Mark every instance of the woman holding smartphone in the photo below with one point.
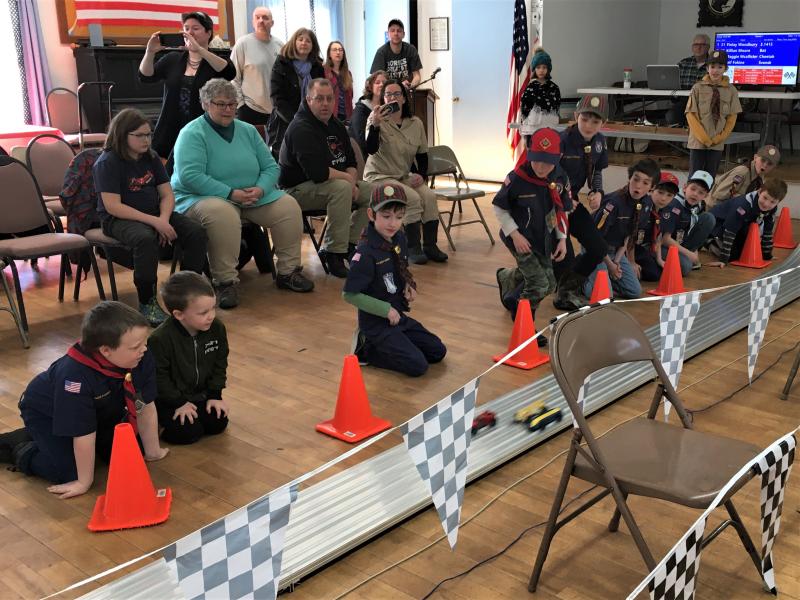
(183, 74)
(398, 154)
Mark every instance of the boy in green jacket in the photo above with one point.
(191, 352)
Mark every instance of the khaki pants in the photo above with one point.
(336, 197)
(222, 221)
(422, 204)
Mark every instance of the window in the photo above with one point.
(290, 15)
(13, 113)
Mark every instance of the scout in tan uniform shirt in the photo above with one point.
(711, 114)
(744, 178)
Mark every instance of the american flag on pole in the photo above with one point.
(519, 77)
(157, 14)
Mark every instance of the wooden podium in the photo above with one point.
(425, 108)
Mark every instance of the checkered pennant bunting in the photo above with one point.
(238, 556)
(677, 315)
(674, 578)
(762, 296)
(774, 467)
(582, 393)
(438, 443)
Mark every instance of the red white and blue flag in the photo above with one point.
(520, 76)
(73, 387)
(158, 14)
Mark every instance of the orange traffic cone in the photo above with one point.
(130, 499)
(601, 289)
(751, 253)
(671, 281)
(529, 357)
(784, 238)
(353, 420)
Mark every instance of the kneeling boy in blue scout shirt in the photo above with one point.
(733, 220)
(684, 223)
(532, 206)
(380, 285)
(618, 220)
(647, 252)
(71, 409)
(191, 352)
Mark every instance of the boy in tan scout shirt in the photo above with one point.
(711, 113)
(744, 179)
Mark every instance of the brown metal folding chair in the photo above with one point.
(643, 457)
(48, 157)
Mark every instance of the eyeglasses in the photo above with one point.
(322, 98)
(701, 44)
(393, 94)
(142, 136)
(225, 105)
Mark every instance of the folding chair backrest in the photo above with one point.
(21, 201)
(359, 158)
(78, 196)
(62, 110)
(587, 341)
(48, 157)
(442, 161)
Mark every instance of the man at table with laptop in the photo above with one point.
(688, 71)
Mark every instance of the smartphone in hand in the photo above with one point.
(171, 40)
(391, 107)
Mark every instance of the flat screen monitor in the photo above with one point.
(761, 58)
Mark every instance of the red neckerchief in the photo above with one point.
(561, 216)
(99, 363)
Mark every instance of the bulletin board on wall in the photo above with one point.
(127, 22)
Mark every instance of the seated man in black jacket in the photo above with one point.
(318, 168)
(191, 355)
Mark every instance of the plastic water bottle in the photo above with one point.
(627, 76)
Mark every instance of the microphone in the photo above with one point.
(438, 70)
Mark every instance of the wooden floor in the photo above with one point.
(286, 358)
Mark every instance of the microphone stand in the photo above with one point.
(431, 78)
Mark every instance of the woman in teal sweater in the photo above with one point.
(224, 174)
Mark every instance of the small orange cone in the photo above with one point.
(353, 420)
(601, 289)
(784, 238)
(671, 281)
(751, 253)
(130, 499)
(529, 357)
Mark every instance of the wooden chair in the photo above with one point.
(442, 160)
(23, 210)
(643, 457)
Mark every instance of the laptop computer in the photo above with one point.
(663, 77)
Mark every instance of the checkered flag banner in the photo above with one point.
(774, 468)
(438, 443)
(238, 556)
(677, 315)
(674, 578)
(582, 398)
(762, 296)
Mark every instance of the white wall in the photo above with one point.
(354, 43)
(59, 56)
(592, 41)
(443, 84)
(678, 24)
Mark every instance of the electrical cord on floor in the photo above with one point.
(504, 550)
(551, 461)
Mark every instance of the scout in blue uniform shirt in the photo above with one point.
(618, 220)
(532, 207)
(684, 223)
(647, 252)
(584, 156)
(733, 218)
(71, 409)
(380, 285)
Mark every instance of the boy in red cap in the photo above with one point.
(532, 207)
(647, 252)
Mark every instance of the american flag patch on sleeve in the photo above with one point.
(356, 257)
(741, 211)
(72, 386)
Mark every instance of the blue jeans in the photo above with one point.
(696, 237)
(627, 286)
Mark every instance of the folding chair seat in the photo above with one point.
(23, 210)
(643, 457)
(442, 161)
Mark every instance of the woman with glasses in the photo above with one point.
(398, 154)
(224, 174)
(338, 73)
(298, 63)
(136, 207)
(183, 74)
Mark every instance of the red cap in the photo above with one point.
(545, 146)
(668, 179)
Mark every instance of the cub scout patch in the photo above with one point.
(640, 237)
(388, 281)
(741, 211)
(676, 210)
(356, 257)
(679, 236)
(738, 179)
(507, 180)
(598, 146)
(608, 207)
